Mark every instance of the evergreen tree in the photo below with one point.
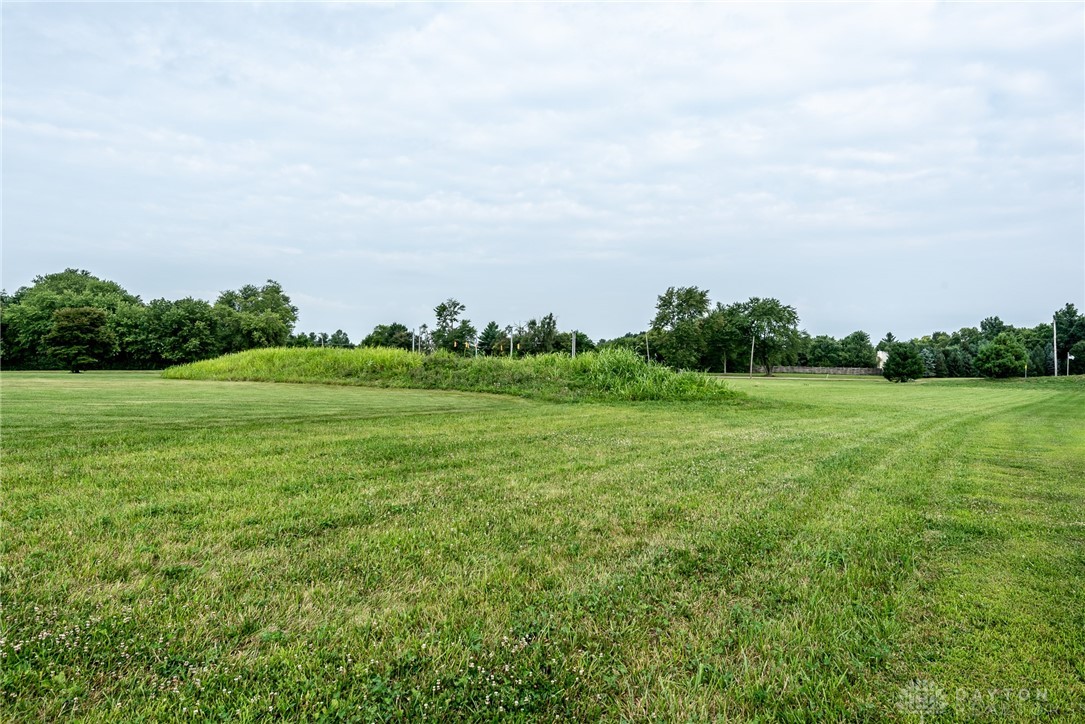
(958, 362)
(1077, 358)
(1039, 358)
(489, 339)
(1004, 356)
(904, 363)
(929, 364)
(941, 369)
(1071, 330)
(887, 341)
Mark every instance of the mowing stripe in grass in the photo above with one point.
(800, 556)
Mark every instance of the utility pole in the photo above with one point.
(753, 336)
(1055, 343)
(574, 344)
(647, 352)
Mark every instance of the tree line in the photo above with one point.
(453, 332)
(690, 332)
(73, 320)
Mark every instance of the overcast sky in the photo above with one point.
(883, 167)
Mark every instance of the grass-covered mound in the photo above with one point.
(608, 375)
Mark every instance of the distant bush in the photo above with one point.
(613, 374)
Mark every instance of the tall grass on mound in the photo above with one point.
(373, 365)
(608, 375)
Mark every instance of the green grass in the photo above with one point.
(616, 374)
(316, 552)
(793, 376)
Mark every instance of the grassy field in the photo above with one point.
(815, 550)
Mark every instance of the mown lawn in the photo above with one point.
(817, 551)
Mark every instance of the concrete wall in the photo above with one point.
(828, 370)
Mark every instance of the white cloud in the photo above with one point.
(640, 142)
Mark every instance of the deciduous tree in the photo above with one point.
(389, 335)
(991, 327)
(268, 299)
(564, 342)
(856, 351)
(680, 312)
(448, 317)
(772, 329)
(725, 334)
(538, 336)
(823, 351)
(79, 337)
(340, 338)
(27, 315)
(254, 317)
(678, 305)
(175, 332)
